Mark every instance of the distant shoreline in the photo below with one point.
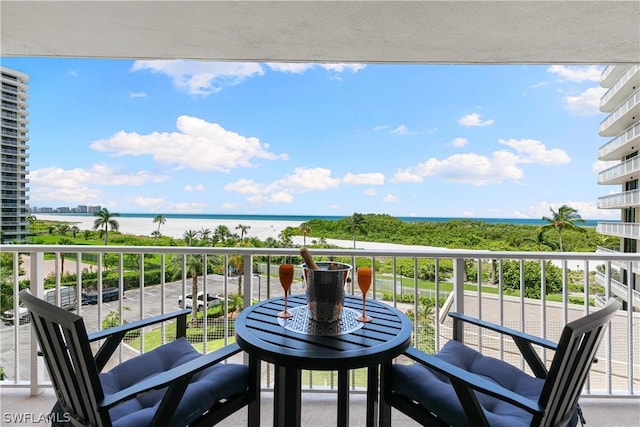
(298, 219)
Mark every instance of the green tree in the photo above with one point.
(565, 218)
(75, 230)
(105, 221)
(243, 230)
(356, 222)
(194, 265)
(532, 278)
(63, 229)
(304, 228)
(221, 233)
(160, 219)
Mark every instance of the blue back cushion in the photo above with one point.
(207, 387)
(434, 392)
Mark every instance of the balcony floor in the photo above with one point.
(319, 409)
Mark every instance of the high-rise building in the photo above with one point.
(15, 210)
(622, 126)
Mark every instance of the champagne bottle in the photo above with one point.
(306, 256)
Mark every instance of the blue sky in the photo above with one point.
(507, 141)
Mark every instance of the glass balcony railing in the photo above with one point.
(536, 292)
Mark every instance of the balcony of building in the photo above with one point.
(622, 200)
(620, 173)
(473, 282)
(619, 229)
(611, 74)
(622, 145)
(623, 117)
(623, 88)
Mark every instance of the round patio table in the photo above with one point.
(300, 343)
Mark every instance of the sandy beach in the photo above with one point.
(262, 229)
(175, 227)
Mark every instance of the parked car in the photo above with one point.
(108, 294)
(67, 301)
(212, 301)
(8, 316)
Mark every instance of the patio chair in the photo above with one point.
(459, 386)
(171, 385)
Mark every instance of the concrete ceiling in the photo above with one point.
(455, 31)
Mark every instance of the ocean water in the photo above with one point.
(304, 218)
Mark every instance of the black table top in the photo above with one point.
(258, 332)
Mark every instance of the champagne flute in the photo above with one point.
(285, 273)
(364, 281)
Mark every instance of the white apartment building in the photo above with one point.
(14, 153)
(621, 102)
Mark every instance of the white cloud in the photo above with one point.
(577, 74)
(473, 119)
(400, 130)
(586, 103)
(245, 186)
(379, 128)
(459, 142)
(471, 168)
(600, 165)
(302, 180)
(230, 206)
(587, 210)
(301, 67)
(83, 185)
(478, 169)
(149, 202)
(406, 175)
(290, 67)
(370, 192)
(197, 145)
(201, 78)
(339, 68)
(137, 95)
(197, 187)
(390, 198)
(375, 178)
(532, 151)
(187, 207)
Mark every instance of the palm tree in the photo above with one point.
(356, 222)
(304, 228)
(221, 233)
(160, 219)
(75, 230)
(104, 221)
(194, 266)
(243, 230)
(565, 218)
(63, 229)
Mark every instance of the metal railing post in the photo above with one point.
(458, 295)
(36, 279)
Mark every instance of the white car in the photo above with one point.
(23, 314)
(212, 301)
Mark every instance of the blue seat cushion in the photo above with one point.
(205, 389)
(435, 393)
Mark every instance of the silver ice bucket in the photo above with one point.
(325, 290)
